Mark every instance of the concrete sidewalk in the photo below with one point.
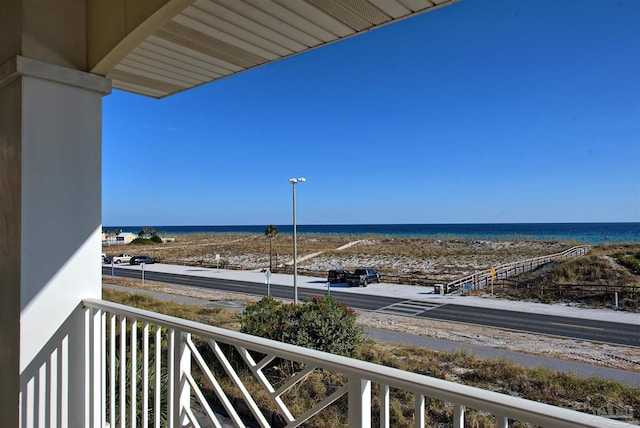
(409, 292)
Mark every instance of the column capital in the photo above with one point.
(22, 66)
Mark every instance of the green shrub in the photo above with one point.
(320, 323)
(141, 241)
(155, 239)
(630, 262)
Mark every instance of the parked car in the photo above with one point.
(363, 276)
(337, 275)
(136, 260)
(120, 258)
(103, 257)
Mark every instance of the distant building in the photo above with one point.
(123, 238)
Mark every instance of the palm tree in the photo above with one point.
(107, 235)
(271, 231)
(143, 232)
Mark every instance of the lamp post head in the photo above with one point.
(297, 180)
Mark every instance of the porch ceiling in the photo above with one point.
(212, 39)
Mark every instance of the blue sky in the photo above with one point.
(486, 111)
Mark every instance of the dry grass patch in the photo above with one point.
(438, 260)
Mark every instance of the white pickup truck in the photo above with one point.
(120, 258)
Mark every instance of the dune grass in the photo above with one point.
(391, 256)
(590, 281)
(218, 317)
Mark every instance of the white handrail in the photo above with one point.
(461, 396)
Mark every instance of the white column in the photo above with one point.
(50, 225)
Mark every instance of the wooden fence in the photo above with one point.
(485, 278)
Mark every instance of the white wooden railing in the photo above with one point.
(483, 278)
(125, 392)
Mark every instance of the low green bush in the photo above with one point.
(630, 262)
(321, 323)
(142, 241)
(154, 239)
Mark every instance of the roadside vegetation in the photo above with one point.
(318, 318)
(320, 323)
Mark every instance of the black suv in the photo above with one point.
(363, 277)
(337, 275)
(136, 260)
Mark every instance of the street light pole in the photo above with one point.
(293, 182)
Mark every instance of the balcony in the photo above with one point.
(249, 378)
(69, 360)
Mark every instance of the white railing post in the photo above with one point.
(123, 372)
(173, 377)
(112, 369)
(179, 390)
(184, 363)
(359, 402)
(502, 421)
(157, 360)
(103, 370)
(133, 382)
(419, 414)
(145, 375)
(384, 406)
(95, 362)
(458, 416)
(88, 356)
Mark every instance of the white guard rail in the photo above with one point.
(124, 392)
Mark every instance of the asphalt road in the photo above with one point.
(592, 330)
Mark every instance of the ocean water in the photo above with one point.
(583, 233)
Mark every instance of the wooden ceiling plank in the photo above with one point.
(251, 30)
(144, 81)
(209, 46)
(291, 19)
(223, 33)
(158, 63)
(179, 60)
(285, 32)
(391, 7)
(416, 5)
(140, 71)
(322, 19)
(138, 89)
(216, 64)
(357, 14)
